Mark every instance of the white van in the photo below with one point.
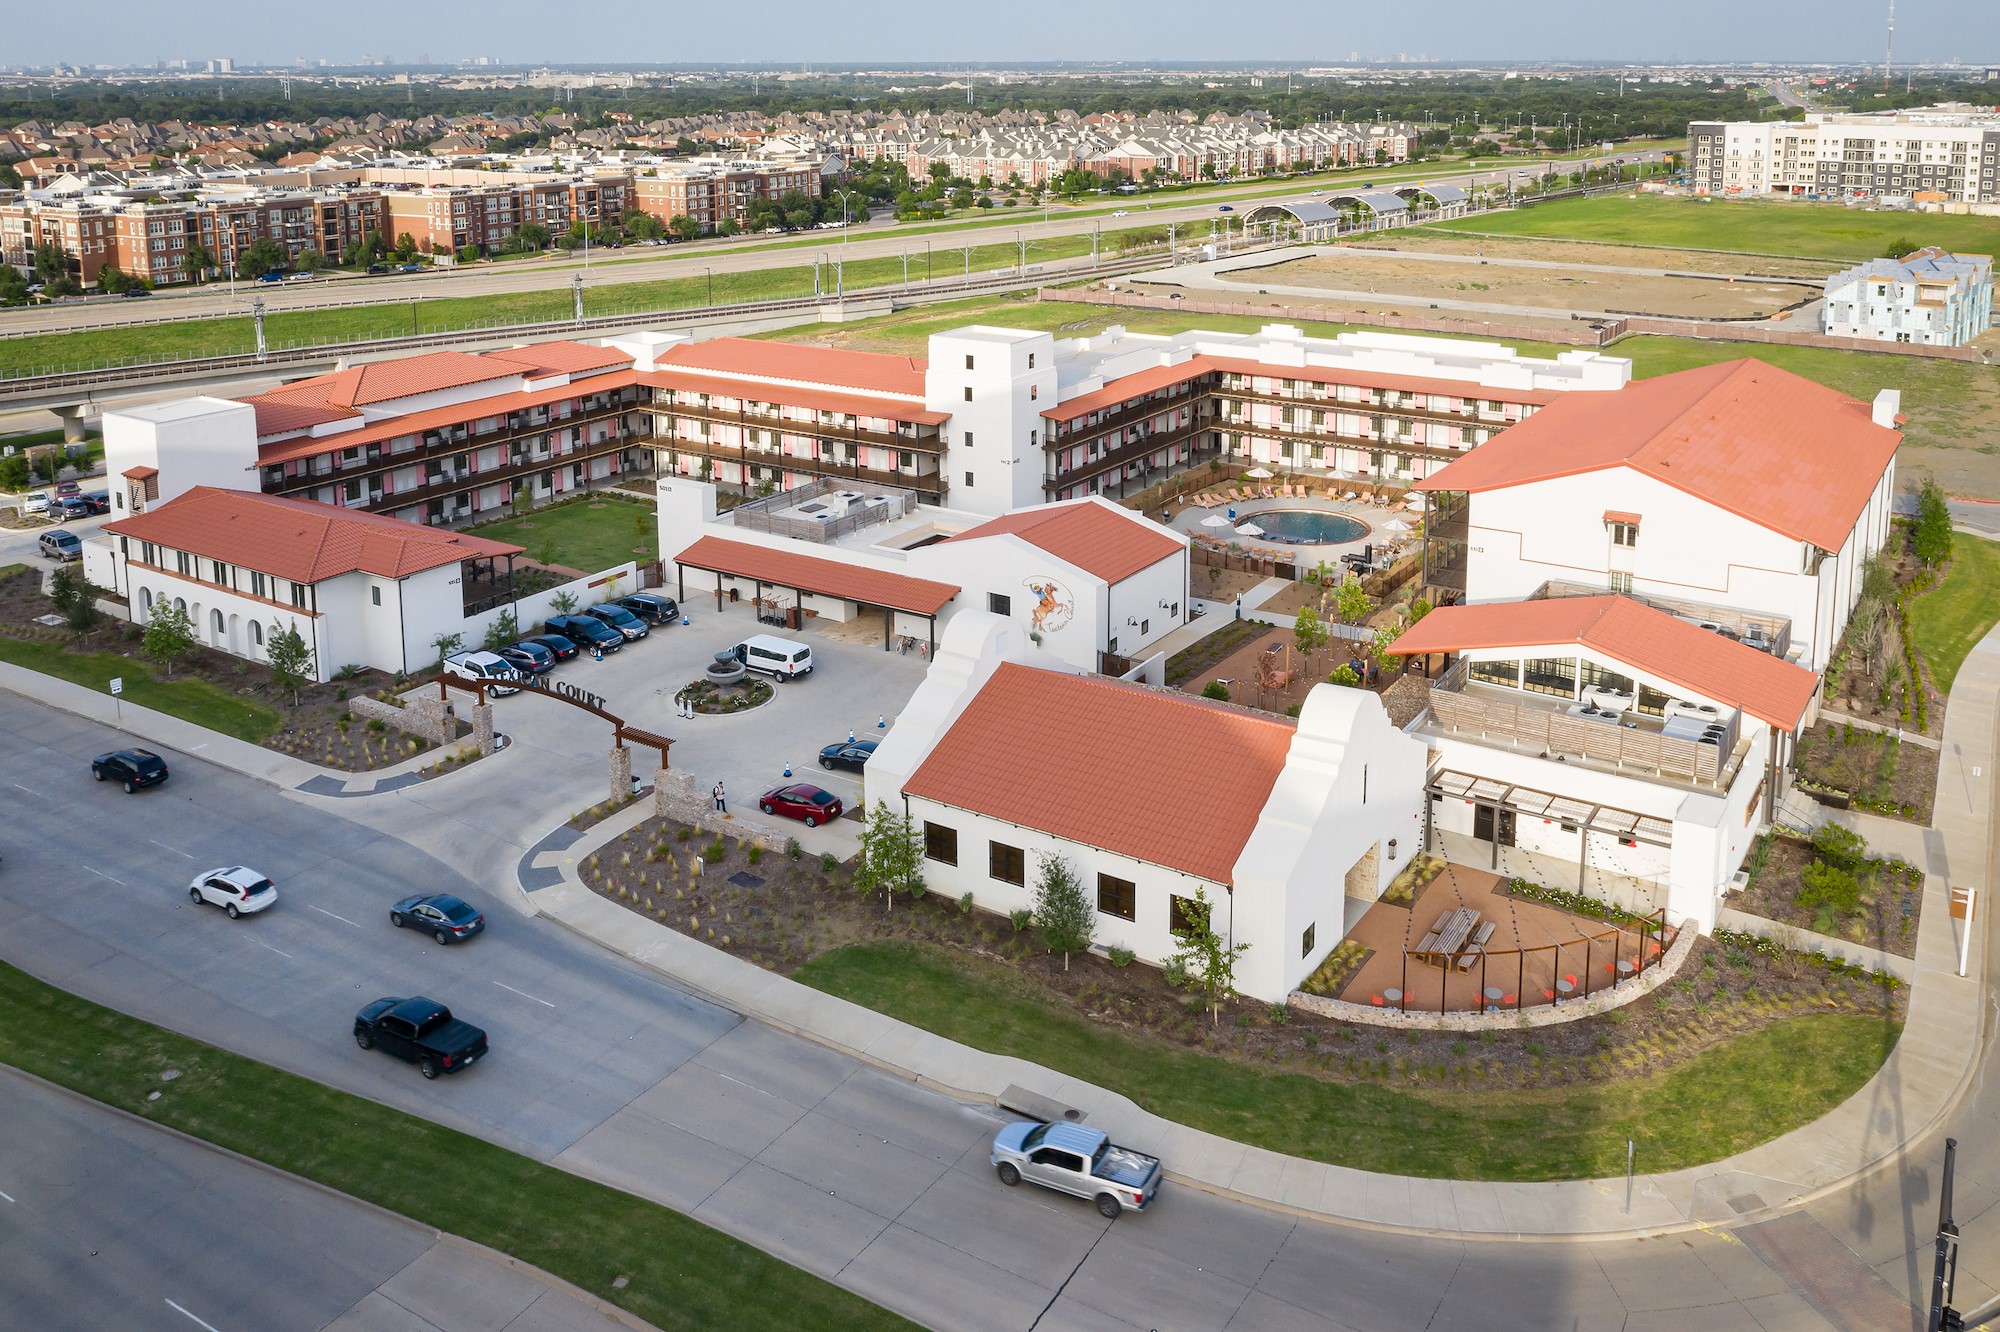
(780, 657)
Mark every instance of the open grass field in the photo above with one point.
(1731, 1097)
(1947, 622)
(585, 535)
(191, 700)
(679, 1273)
(1800, 230)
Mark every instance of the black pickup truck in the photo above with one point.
(422, 1031)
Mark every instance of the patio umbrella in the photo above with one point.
(1393, 525)
(1260, 474)
(1415, 501)
(1215, 520)
(1249, 529)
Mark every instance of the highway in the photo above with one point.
(646, 264)
(610, 1070)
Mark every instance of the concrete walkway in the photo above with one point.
(1920, 1081)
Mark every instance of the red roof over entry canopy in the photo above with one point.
(824, 577)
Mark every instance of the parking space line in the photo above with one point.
(185, 1314)
(29, 789)
(524, 994)
(324, 912)
(102, 875)
(279, 951)
(164, 847)
(8, 1196)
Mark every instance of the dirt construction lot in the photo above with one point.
(1587, 252)
(1519, 283)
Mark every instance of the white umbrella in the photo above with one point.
(1415, 501)
(1249, 529)
(1260, 474)
(1393, 525)
(1215, 520)
(1342, 474)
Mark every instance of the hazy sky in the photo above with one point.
(791, 31)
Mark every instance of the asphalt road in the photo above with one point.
(848, 1171)
(684, 261)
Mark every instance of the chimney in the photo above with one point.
(1888, 403)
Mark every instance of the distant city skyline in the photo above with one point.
(133, 32)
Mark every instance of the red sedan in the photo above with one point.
(808, 804)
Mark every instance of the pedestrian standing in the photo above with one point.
(721, 805)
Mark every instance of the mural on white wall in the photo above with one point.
(1054, 606)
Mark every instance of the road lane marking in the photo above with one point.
(29, 789)
(164, 847)
(102, 875)
(281, 953)
(8, 1196)
(185, 1314)
(324, 912)
(524, 994)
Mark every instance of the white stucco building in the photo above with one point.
(1931, 297)
(1737, 494)
(1006, 755)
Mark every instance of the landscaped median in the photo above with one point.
(677, 1273)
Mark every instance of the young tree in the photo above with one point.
(1204, 957)
(113, 280)
(534, 235)
(74, 599)
(310, 260)
(196, 262)
(261, 256)
(562, 603)
(523, 494)
(1064, 915)
(446, 644)
(1308, 634)
(14, 475)
(48, 464)
(1351, 602)
(684, 226)
(1933, 536)
(169, 635)
(290, 660)
(545, 551)
(50, 261)
(505, 629)
(892, 855)
(1344, 674)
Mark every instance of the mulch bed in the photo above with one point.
(1892, 900)
(779, 912)
(1859, 691)
(1879, 772)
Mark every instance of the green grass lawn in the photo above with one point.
(1793, 230)
(589, 536)
(1735, 1095)
(189, 699)
(681, 1273)
(1947, 622)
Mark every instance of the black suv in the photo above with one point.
(133, 767)
(615, 615)
(651, 607)
(586, 632)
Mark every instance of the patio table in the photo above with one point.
(1447, 938)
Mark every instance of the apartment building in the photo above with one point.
(1931, 297)
(435, 439)
(717, 190)
(1950, 154)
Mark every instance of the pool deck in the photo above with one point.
(1373, 519)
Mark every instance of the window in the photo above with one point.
(968, 393)
(258, 587)
(220, 571)
(968, 480)
(1625, 534)
(968, 365)
(940, 844)
(1034, 392)
(1306, 940)
(1006, 863)
(1031, 360)
(1621, 582)
(184, 562)
(1183, 914)
(999, 603)
(299, 595)
(968, 439)
(1117, 897)
(375, 595)
(1145, 627)
(257, 633)
(1550, 675)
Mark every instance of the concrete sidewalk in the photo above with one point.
(1919, 1082)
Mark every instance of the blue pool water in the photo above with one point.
(1309, 527)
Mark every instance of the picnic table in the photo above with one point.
(1448, 938)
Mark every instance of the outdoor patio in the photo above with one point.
(1226, 516)
(1424, 956)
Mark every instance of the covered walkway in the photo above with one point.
(802, 577)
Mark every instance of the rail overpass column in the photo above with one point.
(71, 415)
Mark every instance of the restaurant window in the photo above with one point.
(1184, 914)
(940, 843)
(1652, 702)
(1006, 863)
(1504, 673)
(1117, 897)
(1550, 675)
(1593, 674)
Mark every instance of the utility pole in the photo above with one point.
(257, 312)
(576, 287)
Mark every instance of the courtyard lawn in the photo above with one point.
(1736, 1094)
(1791, 230)
(678, 1273)
(586, 535)
(189, 699)
(1947, 622)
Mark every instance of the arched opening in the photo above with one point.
(180, 605)
(257, 636)
(146, 601)
(217, 634)
(236, 635)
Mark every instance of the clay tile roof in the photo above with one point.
(1090, 534)
(301, 540)
(1648, 640)
(1126, 387)
(1620, 516)
(278, 417)
(385, 381)
(1763, 443)
(1058, 753)
(811, 573)
(141, 473)
(561, 358)
(835, 367)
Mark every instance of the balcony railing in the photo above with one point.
(917, 441)
(377, 462)
(1130, 451)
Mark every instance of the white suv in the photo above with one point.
(237, 889)
(488, 668)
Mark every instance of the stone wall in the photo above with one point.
(425, 723)
(677, 796)
(1541, 1015)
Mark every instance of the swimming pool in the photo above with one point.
(1309, 527)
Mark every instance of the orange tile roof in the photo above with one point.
(385, 381)
(1620, 516)
(1763, 443)
(835, 367)
(301, 540)
(1135, 385)
(811, 573)
(1648, 640)
(813, 399)
(415, 423)
(1059, 753)
(275, 416)
(561, 357)
(141, 473)
(1092, 535)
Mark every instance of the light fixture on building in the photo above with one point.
(1165, 604)
(1392, 848)
(1132, 620)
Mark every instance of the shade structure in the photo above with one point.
(1249, 529)
(1260, 473)
(1393, 525)
(1415, 501)
(1215, 520)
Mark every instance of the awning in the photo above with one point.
(819, 576)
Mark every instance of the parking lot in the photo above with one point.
(851, 687)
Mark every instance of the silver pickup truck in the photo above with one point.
(1081, 1161)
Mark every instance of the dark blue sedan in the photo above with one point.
(444, 917)
(558, 647)
(852, 755)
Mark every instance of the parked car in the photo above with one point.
(558, 647)
(275, 275)
(529, 658)
(62, 546)
(411, 268)
(298, 277)
(98, 500)
(586, 632)
(487, 668)
(378, 268)
(421, 1031)
(64, 489)
(615, 615)
(70, 506)
(130, 292)
(132, 768)
(652, 607)
(34, 502)
(852, 755)
(1070, 1158)
(808, 804)
(237, 889)
(446, 917)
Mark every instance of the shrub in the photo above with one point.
(682, 833)
(965, 905)
(756, 854)
(1216, 690)
(1279, 1014)
(828, 862)
(1021, 919)
(1842, 848)
(1827, 885)
(792, 848)
(1121, 957)
(714, 851)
